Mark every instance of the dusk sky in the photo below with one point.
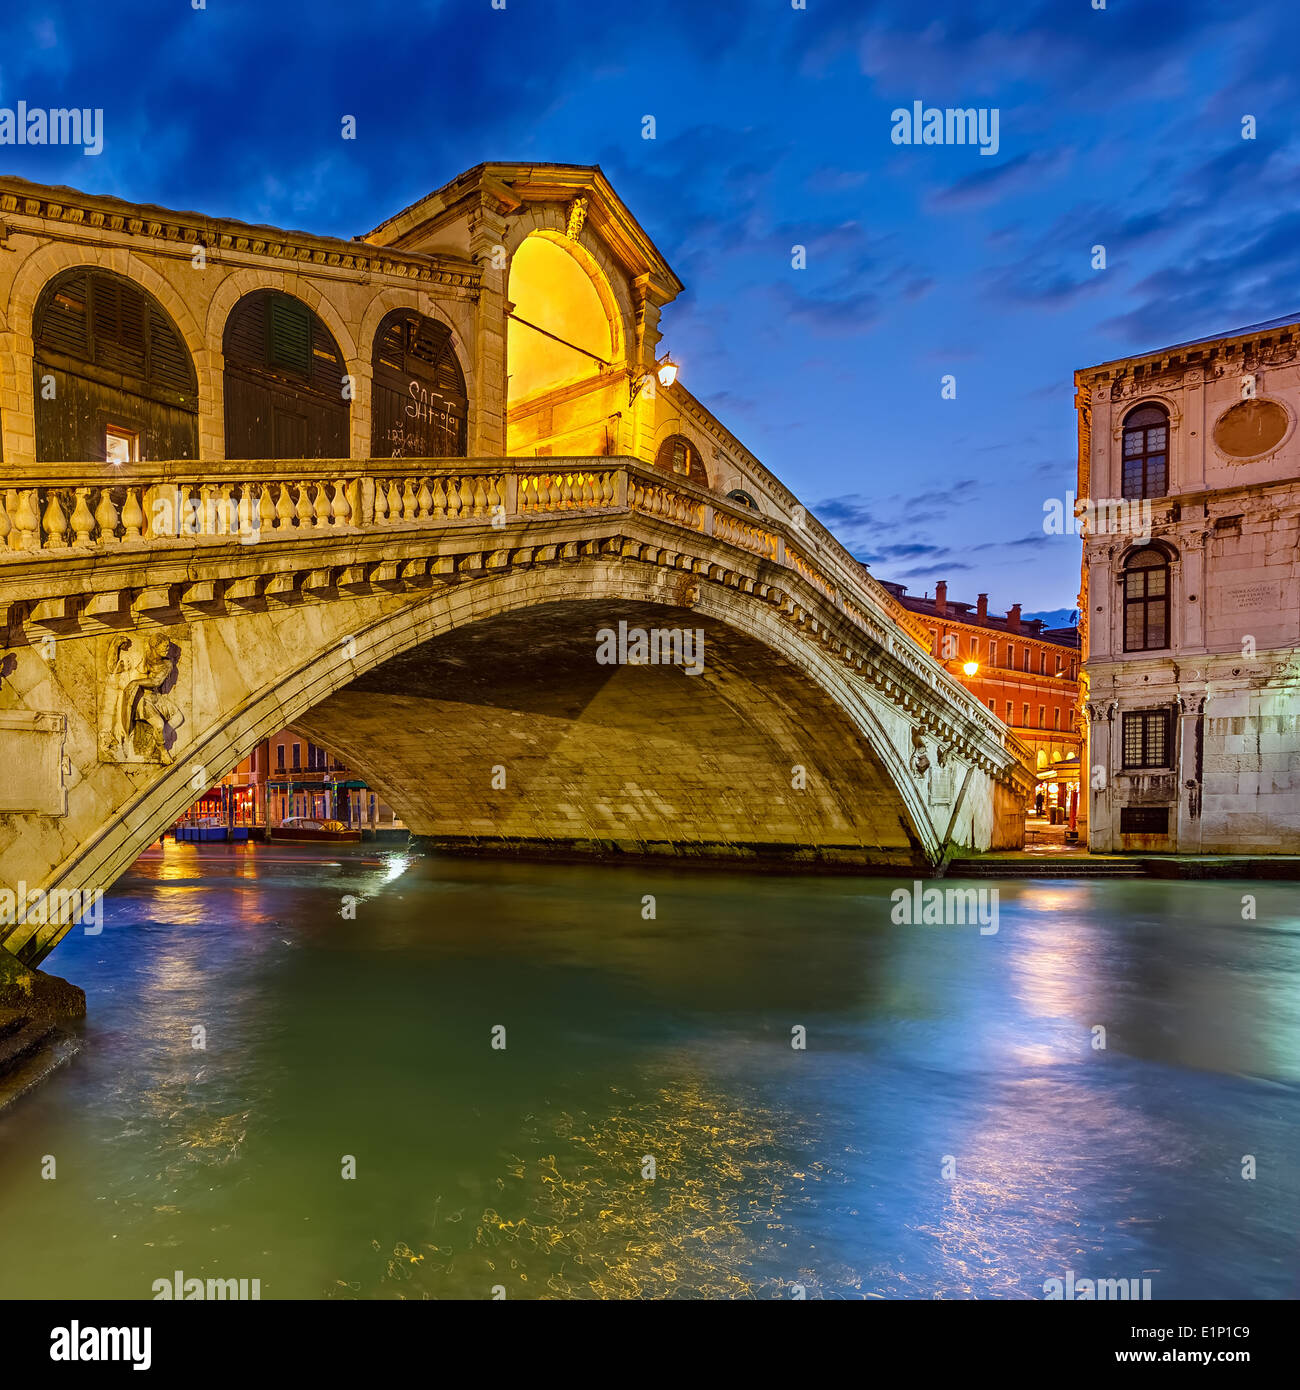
(1120, 127)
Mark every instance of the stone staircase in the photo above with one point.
(1046, 866)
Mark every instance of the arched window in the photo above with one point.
(743, 498)
(284, 382)
(419, 405)
(1146, 600)
(1146, 452)
(114, 380)
(678, 455)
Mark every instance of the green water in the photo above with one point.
(669, 1039)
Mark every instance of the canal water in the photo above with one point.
(951, 1128)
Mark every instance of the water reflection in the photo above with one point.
(951, 1129)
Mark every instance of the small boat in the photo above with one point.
(304, 829)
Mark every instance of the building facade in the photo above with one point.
(1025, 672)
(287, 777)
(1189, 480)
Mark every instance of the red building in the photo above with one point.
(1025, 672)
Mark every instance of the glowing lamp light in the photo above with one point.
(667, 372)
(971, 667)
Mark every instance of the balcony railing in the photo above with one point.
(68, 511)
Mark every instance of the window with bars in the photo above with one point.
(1146, 601)
(1146, 452)
(1144, 820)
(1145, 738)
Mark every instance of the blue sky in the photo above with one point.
(1120, 127)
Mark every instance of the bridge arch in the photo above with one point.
(865, 798)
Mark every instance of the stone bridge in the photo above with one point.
(437, 623)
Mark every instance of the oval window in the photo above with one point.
(1250, 428)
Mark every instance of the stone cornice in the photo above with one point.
(1281, 342)
(73, 212)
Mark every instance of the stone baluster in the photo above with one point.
(83, 519)
(321, 506)
(342, 508)
(27, 520)
(381, 503)
(439, 498)
(266, 520)
(480, 498)
(284, 508)
(305, 512)
(55, 522)
(132, 516)
(8, 501)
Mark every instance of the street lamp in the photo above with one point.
(971, 668)
(665, 369)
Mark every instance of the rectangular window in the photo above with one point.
(1024, 721)
(296, 755)
(975, 646)
(1056, 718)
(1042, 663)
(993, 707)
(1010, 707)
(279, 757)
(120, 445)
(1144, 820)
(1146, 604)
(1042, 717)
(1146, 738)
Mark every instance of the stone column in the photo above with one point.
(1101, 836)
(1187, 832)
(487, 247)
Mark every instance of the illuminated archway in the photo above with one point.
(565, 391)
